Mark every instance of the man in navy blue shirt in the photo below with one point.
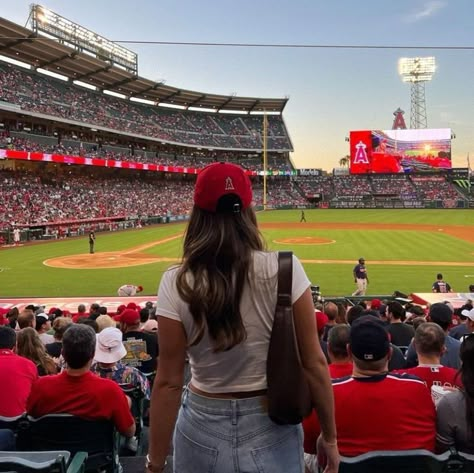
(360, 278)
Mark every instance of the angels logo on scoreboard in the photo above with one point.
(361, 154)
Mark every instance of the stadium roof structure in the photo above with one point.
(20, 43)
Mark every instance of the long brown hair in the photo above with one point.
(29, 345)
(217, 258)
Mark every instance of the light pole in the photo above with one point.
(417, 71)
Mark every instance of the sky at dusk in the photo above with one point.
(331, 91)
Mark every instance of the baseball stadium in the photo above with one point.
(98, 167)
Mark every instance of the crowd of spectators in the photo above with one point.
(38, 93)
(423, 399)
(351, 186)
(358, 346)
(194, 159)
(311, 185)
(398, 185)
(434, 188)
(30, 199)
(280, 192)
(37, 198)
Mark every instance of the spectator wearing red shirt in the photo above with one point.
(17, 374)
(376, 410)
(429, 345)
(77, 390)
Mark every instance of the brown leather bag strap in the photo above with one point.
(285, 278)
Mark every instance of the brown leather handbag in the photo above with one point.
(289, 397)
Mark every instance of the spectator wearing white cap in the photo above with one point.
(108, 353)
(43, 326)
(469, 314)
(465, 328)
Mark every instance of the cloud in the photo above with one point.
(427, 10)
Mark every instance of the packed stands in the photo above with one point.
(33, 92)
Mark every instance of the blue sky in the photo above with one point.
(331, 91)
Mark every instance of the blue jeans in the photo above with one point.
(233, 436)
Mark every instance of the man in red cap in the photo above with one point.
(142, 348)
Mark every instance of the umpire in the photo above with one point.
(91, 241)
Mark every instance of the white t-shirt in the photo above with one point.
(243, 368)
(46, 338)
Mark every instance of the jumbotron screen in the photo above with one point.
(400, 151)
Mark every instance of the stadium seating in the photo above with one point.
(37, 93)
(412, 461)
(42, 462)
(73, 434)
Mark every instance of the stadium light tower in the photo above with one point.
(417, 71)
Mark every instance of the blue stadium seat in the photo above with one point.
(42, 462)
(66, 432)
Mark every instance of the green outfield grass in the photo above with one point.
(22, 272)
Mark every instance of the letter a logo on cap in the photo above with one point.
(229, 185)
(361, 155)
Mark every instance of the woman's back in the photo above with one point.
(452, 425)
(243, 367)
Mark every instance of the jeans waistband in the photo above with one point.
(230, 407)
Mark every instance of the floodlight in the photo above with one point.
(46, 22)
(416, 69)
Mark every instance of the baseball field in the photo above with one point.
(404, 250)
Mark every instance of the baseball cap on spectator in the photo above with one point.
(441, 312)
(109, 347)
(132, 305)
(150, 325)
(468, 313)
(369, 341)
(130, 317)
(450, 306)
(375, 304)
(218, 180)
(53, 309)
(42, 315)
(321, 321)
(121, 308)
(3, 319)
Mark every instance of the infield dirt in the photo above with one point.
(135, 256)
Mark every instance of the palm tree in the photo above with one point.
(344, 161)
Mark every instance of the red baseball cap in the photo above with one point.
(375, 304)
(219, 179)
(121, 308)
(321, 321)
(130, 317)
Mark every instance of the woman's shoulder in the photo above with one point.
(265, 262)
(454, 398)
